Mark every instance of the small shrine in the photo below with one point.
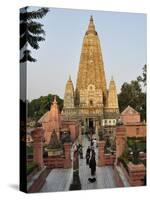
(55, 147)
(67, 130)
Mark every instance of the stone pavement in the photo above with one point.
(104, 175)
(60, 179)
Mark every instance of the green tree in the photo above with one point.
(131, 94)
(31, 32)
(143, 78)
(38, 107)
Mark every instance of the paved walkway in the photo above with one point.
(104, 175)
(60, 179)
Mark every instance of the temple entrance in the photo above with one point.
(90, 123)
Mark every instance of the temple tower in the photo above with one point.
(91, 74)
(69, 94)
(111, 111)
(112, 95)
(91, 89)
(68, 109)
(91, 103)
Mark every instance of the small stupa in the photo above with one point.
(54, 147)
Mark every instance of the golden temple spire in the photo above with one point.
(91, 67)
(69, 94)
(91, 26)
(112, 95)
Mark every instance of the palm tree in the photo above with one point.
(30, 32)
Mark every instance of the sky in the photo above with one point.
(123, 43)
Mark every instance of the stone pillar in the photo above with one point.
(38, 137)
(101, 155)
(120, 141)
(68, 162)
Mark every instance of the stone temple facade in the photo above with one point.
(91, 102)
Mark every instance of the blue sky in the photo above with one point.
(123, 42)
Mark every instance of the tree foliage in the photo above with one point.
(132, 94)
(31, 32)
(143, 78)
(38, 107)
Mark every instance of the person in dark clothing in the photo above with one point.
(88, 155)
(80, 151)
(92, 143)
(93, 152)
(92, 164)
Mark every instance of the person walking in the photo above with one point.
(93, 152)
(94, 143)
(80, 151)
(92, 164)
(88, 155)
(91, 144)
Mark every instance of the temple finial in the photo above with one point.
(91, 27)
(91, 18)
(69, 77)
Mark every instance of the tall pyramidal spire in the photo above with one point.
(69, 94)
(91, 27)
(91, 66)
(91, 103)
(112, 95)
